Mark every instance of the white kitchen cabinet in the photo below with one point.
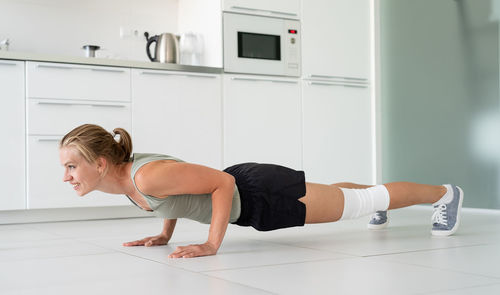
(77, 82)
(262, 120)
(178, 114)
(337, 133)
(60, 97)
(58, 117)
(46, 188)
(336, 38)
(12, 149)
(275, 8)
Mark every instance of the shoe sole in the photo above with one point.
(377, 226)
(443, 233)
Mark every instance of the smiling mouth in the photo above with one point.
(75, 186)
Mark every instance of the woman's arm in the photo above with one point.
(161, 239)
(161, 179)
(221, 209)
(168, 228)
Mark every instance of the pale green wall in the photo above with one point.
(440, 103)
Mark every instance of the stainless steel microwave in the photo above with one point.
(261, 45)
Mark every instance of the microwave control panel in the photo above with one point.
(292, 47)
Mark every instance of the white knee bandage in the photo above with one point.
(360, 202)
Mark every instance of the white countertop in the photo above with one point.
(11, 55)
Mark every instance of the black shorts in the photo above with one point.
(269, 195)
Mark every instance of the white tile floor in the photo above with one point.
(86, 257)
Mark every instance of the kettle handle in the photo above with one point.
(148, 45)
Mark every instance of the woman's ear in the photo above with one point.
(102, 165)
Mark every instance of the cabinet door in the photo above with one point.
(337, 133)
(336, 38)
(46, 188)
(275, 8)
(79, 82)
(178, 114)
(262, 121)
(67, 114)
(12, 149)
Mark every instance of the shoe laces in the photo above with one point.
(377, 216)
(439, 215)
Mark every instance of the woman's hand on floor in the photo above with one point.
(194, 251)
(149, 241)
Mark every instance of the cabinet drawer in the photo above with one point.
(46, 188)
(57, 117)
(69, 81)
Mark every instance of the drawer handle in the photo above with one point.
(4, 63)
(244, 8)
(160, 73)
(57, 103)
(109, 105)
(338, 84)
(108, 70)
(61, 67)
(245, 79)
(263, 80)
(82, 104)
(50, 139)
(337, 78)
(200, 76)
(177, 75)
(282, 13)
(284, 81)
(80, 68)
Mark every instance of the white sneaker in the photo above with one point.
(379, 220)
(446, 217)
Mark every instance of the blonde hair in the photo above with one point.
(93, 141)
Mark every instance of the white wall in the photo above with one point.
(204, 17)
(62, 27)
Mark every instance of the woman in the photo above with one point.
(263, 196)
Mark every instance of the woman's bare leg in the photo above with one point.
(350, 185)
(404, 194)
(325, 203)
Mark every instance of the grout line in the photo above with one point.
(187, 270)
(227, 269)
(304, 247)
(54, 257)
(458, 289)
(450, 270)
(234, 282)
(277, 264)
(441, 268)
(424, 250)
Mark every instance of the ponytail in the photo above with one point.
(124, 142)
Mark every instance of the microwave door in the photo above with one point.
(259, 46)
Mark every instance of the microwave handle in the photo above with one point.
(263, 10)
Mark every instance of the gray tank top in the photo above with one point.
(195, 207)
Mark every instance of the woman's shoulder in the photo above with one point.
(140, 159)
(143, 158)
(145, 166)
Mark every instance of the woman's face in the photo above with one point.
(82, 175)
